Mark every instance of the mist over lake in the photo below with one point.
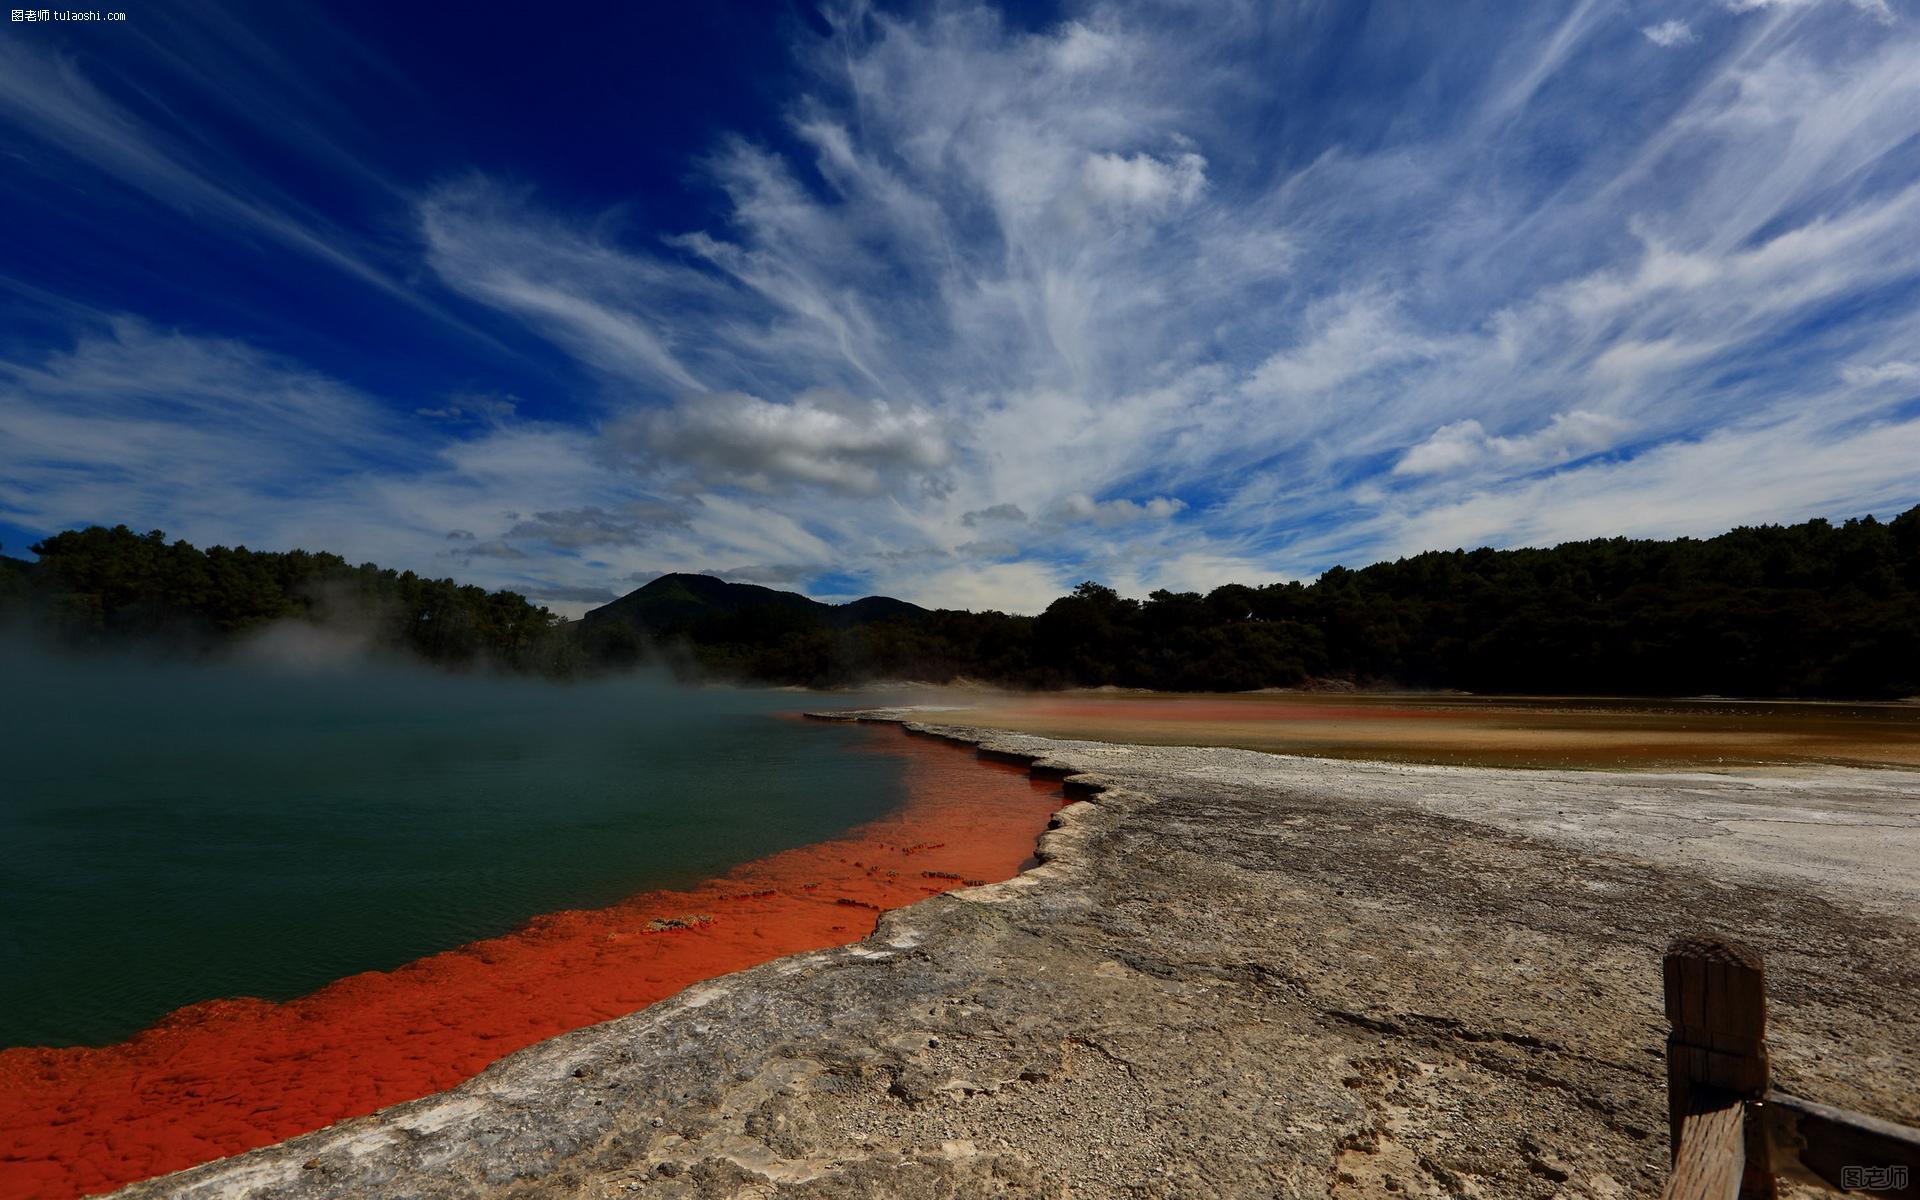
(174, 832)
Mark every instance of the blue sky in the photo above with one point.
(956, 302)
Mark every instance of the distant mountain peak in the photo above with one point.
(679, 600)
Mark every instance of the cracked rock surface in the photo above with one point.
(1234, 974)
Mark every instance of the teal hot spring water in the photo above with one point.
(176, 832)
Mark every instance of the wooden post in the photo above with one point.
(1712, 1156)
(1716, 1062)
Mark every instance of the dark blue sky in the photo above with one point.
(347, 114)
(960, 302)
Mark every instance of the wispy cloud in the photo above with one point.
(1673, 32)
(1865, 375)
(1879, 10)
(1466, 444)
(1162, 302)
(55, 101)
(130, 419)
(576, 528)
(1028, 243)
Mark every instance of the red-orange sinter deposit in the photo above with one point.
(217, 1078)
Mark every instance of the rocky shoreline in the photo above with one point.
(1230, 973)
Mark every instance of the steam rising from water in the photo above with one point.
(305, 646)
(260, 824)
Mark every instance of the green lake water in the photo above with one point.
(173, 832)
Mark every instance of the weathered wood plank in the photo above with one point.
(1848, 1151)
(1713, 1149)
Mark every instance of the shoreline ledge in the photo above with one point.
(1230, 973)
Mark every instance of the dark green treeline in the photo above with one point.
(1815, 609)
(1807, 610)
(104, 587)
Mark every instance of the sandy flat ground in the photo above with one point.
(1464, 730)
(1851, 832)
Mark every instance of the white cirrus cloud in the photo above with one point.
(1109, 513)
(1466, 444)
(1863, 375)
(1098, 276)
(1141, 181)
(1672, 32)
(990, 308)
(1879, 10)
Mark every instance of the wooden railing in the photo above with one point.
(1733, 1136)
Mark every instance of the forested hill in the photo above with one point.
(732, 629)
(1815, 609)
(678, 603)
(101, 586)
